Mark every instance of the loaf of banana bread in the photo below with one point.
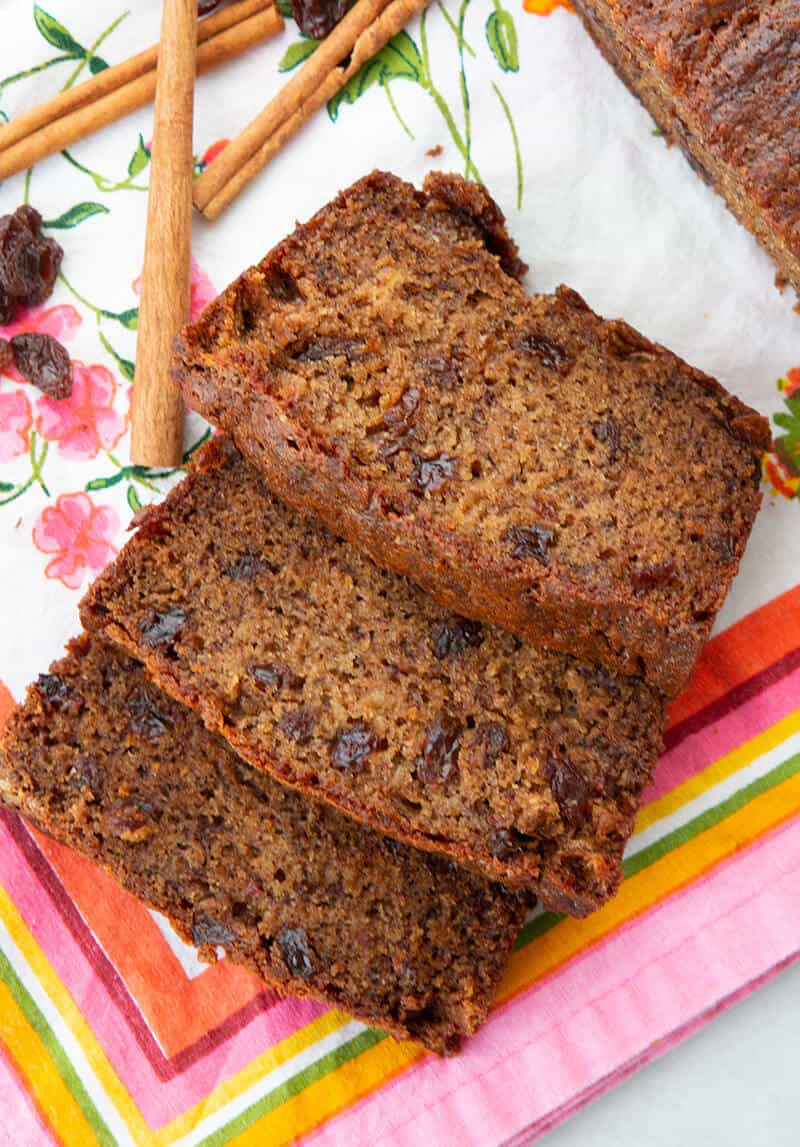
(315, 904)
(525, 461)
(722, 78)
(351, 684)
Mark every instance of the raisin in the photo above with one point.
(439, 758)
(726, 548)
(329, 346)
(248, 566)
(440, 370)
(145, 719)
(84, 774)
(50, 255)
(17, 261)
(530, 541)
(7, 309)
(569, 788)
(6, 357)
(29, 263)
(352, 745)
(57, 694)
(282, 286)
(29, 217)
(549, 353)
(275, 675)
(131, 819)
(606, 430)
(293, 944)
(432, 473)
(653, 575)
(599, 677)
(207, 930)
(161, 627)
(398, 418)
(452, 638)
(493, 736)
(316, 18)
(298, 725)
(44, 362)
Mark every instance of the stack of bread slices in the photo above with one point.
(393, 663)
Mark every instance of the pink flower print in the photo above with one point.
(201, 287)
(15, 423)
(79, 534)
(60, 322)
(86, 422)
(202, 291)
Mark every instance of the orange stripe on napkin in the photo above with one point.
(733, 656)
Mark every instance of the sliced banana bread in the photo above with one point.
(310, 901)
(522, 459)
(351, 684)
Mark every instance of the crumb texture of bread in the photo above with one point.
(312, 902)
(525, 461)
(721, 78)
(349, 683)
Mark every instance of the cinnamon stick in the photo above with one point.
(114, 77)
(157, 414)
(328, 56)
(270, 148)
(228, 43)
(284, 115)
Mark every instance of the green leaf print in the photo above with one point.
(501, 36)
(128, 319)
(75, 215)
(104, 483)
(124, 365)
(133, 499)
(97, 64)
(403, 59)
(297, 54)
(284, 7)
(56, 34)
(398, 60)
(139, 159)
(787, 446)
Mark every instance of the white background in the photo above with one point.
(732, 1084)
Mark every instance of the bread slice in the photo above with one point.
(722, 80)
(523, 460)
(352, 685)
(302, 896)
